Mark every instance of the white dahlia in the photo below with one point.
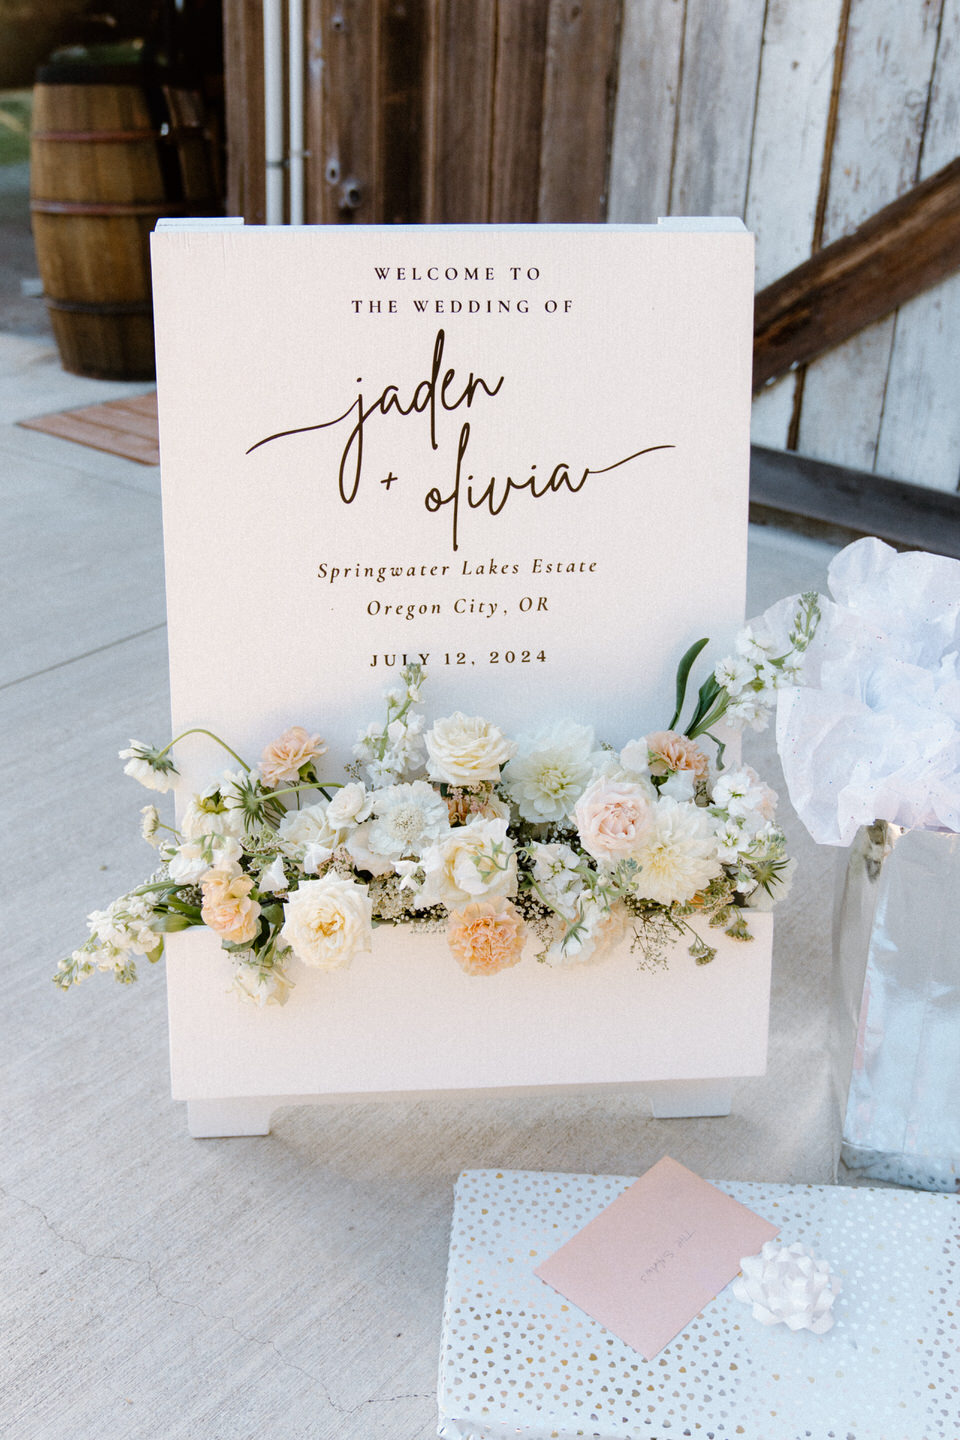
(679, 855)
(551, 771)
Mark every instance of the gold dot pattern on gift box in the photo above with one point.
(518, 1359)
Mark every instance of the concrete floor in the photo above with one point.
(163, 1288)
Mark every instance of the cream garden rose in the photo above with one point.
(613, 818)
(466, 750)
(282, 759)
(328, 921)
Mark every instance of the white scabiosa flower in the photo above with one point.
(407, 818)
(146, 765)
(550, 772)
(679, 855)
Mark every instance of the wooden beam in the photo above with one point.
(903, 249)
(835, 503)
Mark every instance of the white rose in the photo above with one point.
(327, 922)
(349, 806)
(307, 827)
(466, 750)
(471, 862)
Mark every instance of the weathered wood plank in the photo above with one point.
(463, 118)
(314, 177)
(651, 43)
(404, 59)
(837, 503)
(579, 87)
(880, 120)
(920, 430)
(351, 171)
(905, 248)
(793, 105)
(518, 110)
(721, 55)
(243, 89)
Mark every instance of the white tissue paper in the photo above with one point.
(873, 731)
(787, 1284)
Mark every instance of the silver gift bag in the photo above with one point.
(896, 1032)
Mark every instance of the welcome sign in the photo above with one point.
(518, 455)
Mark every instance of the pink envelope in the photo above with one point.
(650, 1262)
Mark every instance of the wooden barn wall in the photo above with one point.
(802, 116)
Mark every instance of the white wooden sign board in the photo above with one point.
(517, 454)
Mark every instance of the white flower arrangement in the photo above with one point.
(497, 840)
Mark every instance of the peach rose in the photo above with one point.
(486, 936)
(227, 907)
(613, 818)
(670, 751)
(281, 760)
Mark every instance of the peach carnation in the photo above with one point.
(281, 760)
(227, 907)
(670, 751)
(486, 936)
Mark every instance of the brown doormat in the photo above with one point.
(121, 427)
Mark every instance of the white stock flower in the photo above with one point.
(550, 771)
(273, 877)
(466, 750)
(125, 926)
(679, 856)
(191, 859)
(555, 871)
(471, 862)
(261, 987)
(328, 921)
(744, 796)
(406, 819)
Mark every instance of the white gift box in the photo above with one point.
(518, 1360)
(405, 1019)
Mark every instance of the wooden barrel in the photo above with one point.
(110, 154)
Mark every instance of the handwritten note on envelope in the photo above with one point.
(650, 1262)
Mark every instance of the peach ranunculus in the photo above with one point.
(670, 751)
(613, 818)
(281, 760)
(227, 907)
(487, 936)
